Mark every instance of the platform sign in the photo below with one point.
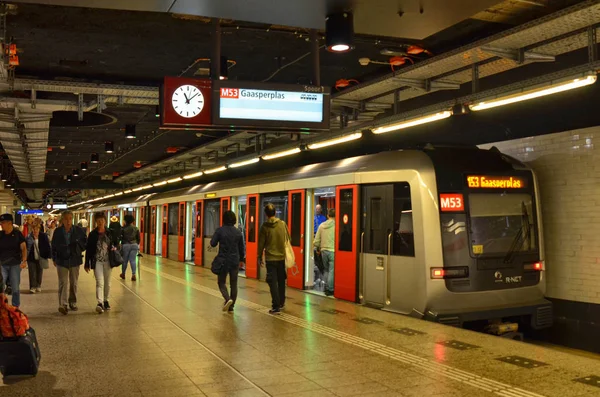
(495, 182)
(290, 106)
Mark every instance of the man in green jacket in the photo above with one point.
(271, 240)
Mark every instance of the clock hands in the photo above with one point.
(187, 100)
(193, 97)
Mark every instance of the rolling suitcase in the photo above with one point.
(21, 355)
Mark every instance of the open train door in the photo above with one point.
(152, 230)
(198, 242)
(165, 230)
(346, 241)
(225, 206)
(142, 228)
(181, 233)
(296, 200)
(252, 236)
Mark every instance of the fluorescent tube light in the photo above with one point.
(535, 93)
(412, 122)
(331, 142)
(218, 169)
(127, 191)
(119, 194)
(194, 175)
(246, 162)
(159, 183)
(147, 187)
(174, 180)
(281, 154)
(137, 189)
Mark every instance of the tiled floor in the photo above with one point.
(166, 336)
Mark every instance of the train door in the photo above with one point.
(296, 224)
(225, 206)
(142, 229)
(387, 246)
(198, 243)
(152, 230)
(346, 238)
(165, 231)
(190, 230)
(252, 236)
(212, 220)
(181, 233)
(239, 206)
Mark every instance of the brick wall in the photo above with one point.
(568, 167)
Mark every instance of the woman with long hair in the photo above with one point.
(232, 254)
(97, 258)
(130, 241)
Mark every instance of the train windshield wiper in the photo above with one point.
(521, 236)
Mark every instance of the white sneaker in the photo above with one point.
(38, 289)
(227, 305)
(99, 308)
(32, 290)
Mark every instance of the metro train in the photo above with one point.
(448, 234)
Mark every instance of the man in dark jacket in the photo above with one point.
(271, 240)
(68, 244)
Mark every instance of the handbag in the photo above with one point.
(43, 261)
(290, 259)
(115, 258)
(218, 264)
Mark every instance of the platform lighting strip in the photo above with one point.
(281, 154)
(246, 162)
(412, 122)
(194, 175)
(331, 142)
(215, 170)
(535, 93)
(137, 189)
(175, 180)
(158, 184)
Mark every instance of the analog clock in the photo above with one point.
(188, 101)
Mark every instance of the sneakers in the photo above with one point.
(38, 289)
(133, 278)
(32, 291)
(275, 311)
(73, 307)
(227, 305)
(230, 309)
(122, 275)
(281, 307)
(99, 308)
(63, 310)
(106, 306)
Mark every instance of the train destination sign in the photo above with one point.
(495, 182)
(264, 105)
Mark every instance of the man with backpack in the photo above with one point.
(272, 237)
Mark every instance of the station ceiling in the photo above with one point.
(140, 42)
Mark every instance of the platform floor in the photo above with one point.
(166, 336)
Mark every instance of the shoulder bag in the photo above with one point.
(43, 261)
(290, 258)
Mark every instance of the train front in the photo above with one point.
(493, 268)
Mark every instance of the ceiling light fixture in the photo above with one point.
(109, 147)
(339, 36)
(147, 187)
(137, 189)
(412, 122)
(69, 178)
(526, 94)
(84, 166)
(174, 180)
(157, 111)
(194, 175)
(214, 170)
(119, 194)
(130, 131)
(281, 154)
(246, 162)
(128, 191)
(335, 141)
(75, 172)
(159, 183)
(4, 179)
(95, 158)
(224, 69)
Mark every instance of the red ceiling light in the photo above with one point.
(137, 164)
(49, 149)
(172, 149)
(115, 174)
(343, 83)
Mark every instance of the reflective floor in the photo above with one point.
(166, 336)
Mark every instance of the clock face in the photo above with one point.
(188, 101)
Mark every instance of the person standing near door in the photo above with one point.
(325, 243)
(68, 244)
(13, 256)
(271, 240)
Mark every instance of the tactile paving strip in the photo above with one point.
(458, 345)
(408, 331)
(522, 362)
(440, 370)
(591, 380)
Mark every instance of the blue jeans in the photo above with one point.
(130, 252)
(328, 258)
(13, 273)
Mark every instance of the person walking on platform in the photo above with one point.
(38, 251)
(68, 243)
(232, 254)
(130, 241)
(13, 256)
(325, 243)
(271, 239)
(97, 258)
(116, 229)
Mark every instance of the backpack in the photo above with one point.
(13, 322)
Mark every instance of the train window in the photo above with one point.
(376, 238)
(173, 218)
(199, 219)
(212, 217)
(225, 205)
(345, 216)
(296, 226)
(252, 220)
(403, 240)
(280, 201)
(181, 219)
(164, 221)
